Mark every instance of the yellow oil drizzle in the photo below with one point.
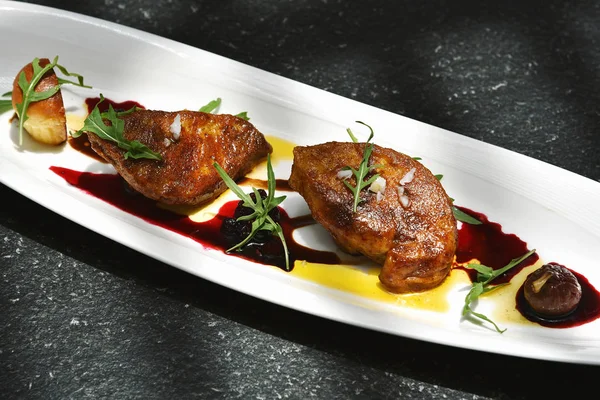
(504, 298)
(74, 122)
(201, 213)
(364, 282)
(283, 150)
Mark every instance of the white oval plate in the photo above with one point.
(123, 63)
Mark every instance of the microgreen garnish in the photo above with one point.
(114, 132)
(439, 177)
(363, 168)
(464, 217)
(260, 217)
(243, 115)
(6, 104)
(31, 96)
(485, 275)
(213, 105)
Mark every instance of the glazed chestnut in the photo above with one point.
(552, 291)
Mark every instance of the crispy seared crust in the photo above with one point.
(416, 244)
(46, 121)
(185, 175)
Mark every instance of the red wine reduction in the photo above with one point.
(492, 247)
(112, 189)
(91, 103)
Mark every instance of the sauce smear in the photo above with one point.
(485, 242)
(113, 189)
(492, 247)
(82, 144)
(280, 184)
(92, 102)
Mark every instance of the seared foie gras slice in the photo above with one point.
(189, 142)
(411, 231)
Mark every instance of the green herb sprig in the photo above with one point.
(464, 217)
(363, 168)
(261, 220)
(114, 132)
(481, 286)
(243, 115)
(31, 96)
(213, 105)
(6, 104)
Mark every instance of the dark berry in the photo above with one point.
(242, 210)
(262, 236)
(263, 194)
(275, 214)
(235, 231)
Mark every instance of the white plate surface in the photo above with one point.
(122, 63)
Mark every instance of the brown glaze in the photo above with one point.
(83, 145)
(280, 184)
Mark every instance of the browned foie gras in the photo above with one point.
(189, 142)
(409, 228)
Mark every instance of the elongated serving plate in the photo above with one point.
(126, 64)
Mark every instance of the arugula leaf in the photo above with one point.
(464, 217)
(6, 104)
(31, 96)
(64, 71)
(363, 168)
(211, 106)
(485, 275)
(243, 115)
(260, 217)
(114, 132)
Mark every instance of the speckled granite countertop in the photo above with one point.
(84, 317)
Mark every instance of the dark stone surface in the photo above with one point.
(84, 317)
